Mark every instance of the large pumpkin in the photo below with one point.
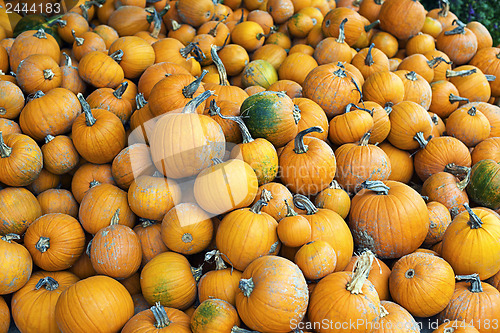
(403, 19)
(405, 214)
(17, 264)
(273, 295)
(95, 304)
(484, 185)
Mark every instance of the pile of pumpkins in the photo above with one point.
(249, 165)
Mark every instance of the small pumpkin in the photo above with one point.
(294, 230)
(404, 161)
(316, 259)
(485, 183)
(158, 318)
(89, 175)
(214, 315)
(448, 189)
(18, 264)
(334, 198)
(58, 201)
(350, 126)
(440, 219)
(407, 120)
(149, 233)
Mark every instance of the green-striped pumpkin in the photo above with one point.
(484, 185)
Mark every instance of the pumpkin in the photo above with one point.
(407, 120)
(370, 60)
(488, 60)
(311, 114)
(131, 163)
(235, 58)
(168, 279)
(58, 201)
(20, 159)
(249, 35)
(242, 224)
(59, 154)
(87, 42)
(8, 126)
(468, 125)
(484, 183)
(483, 36)
(260, 73)
(422, 275)
(136, 55)
(151, 197)
(470, 82)
(331, 50)
(334, 198)
(155, 73)
(19, 209)
(440, 219)
(395, 318)
(315, 175)
(289, 71)
(291, 88)
(474, 302)
(461, 253)
(334, 297)
(384, 88)
(445, 98)
(353, 27)
(378, 276)
(453, 38)
(4, 316)
(173, 51)
(98, 135)
(55, 241)
(99, 205)
(149, 234)
(417, 89)
(11, 100)
(275, 195)
(272, 54)
(40, 295)
(492, 112)
(221, 283)
(332, 88)
(100, 70)
(350, 126)
(373, 164)
(71, 80)
(195, 14)
(366, 222)
(33, 42)
(158, 318)
(403, 159)
(18, 264)
(294, 230)
(402, 19)
(316, 259)
(266, 311)
(111, 100)
(107, 306)
(206, 141)
(487, 149)
(107, 33)
(437, 153)
(89, 175)
(447, 189)
(142, 122)
(214, 315)
(329, 226)
(443, 14)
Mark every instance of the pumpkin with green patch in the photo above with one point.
(214, 316)
(271, 115)
(259, 73)
(484, 185)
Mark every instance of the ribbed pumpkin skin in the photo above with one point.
(399, 320)
(34, 310)
(484, 186)
(18, 210)
(213, 316)
(221, 284)
(151, 242)
(167, 278)
(440, 219)
(402, 19)
(144, 322)
(17, 266)
(66, 241)
(404, 213)
(95, 304)
(270, 115)
(279, 297)
(443, 188)
(184, 144)
(131, 163)
(402, 161)
(487, 149)
(331, 301)
(422, 283)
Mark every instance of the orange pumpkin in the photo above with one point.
(18, 264)
(149, 234)
(158, 318)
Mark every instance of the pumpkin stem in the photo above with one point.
(5, 150)
(89, 247)
(246, 286)
(237, 329)
(341, 38)
(67, 60)
(340, 73)
(78, 40)
(371, 25)
(118, 93)
(197, 272)
(117, 55)
(365, 139)
(474, 220)
(192, 47)
(435, 119)
(455, 98)
(175, 25)
(436, 61)
(456, 171)
(140, 101)
(451, 73)
(379, 2)
(94, 183)
(216, 160)
(220, 66)
(266, 195)
(296, 113)
(352, 105)
(362, 268)
(48, 74)
(213, 32)
(300, 147)
(335, 185)
(273, 248)
(40, 34)
(245, 133)
(458, 30)
(160, 315)
(89, 118)
(48, 282)
(369, 58)
(156, 24)
(189, 90)
(302, 202)
(187, 238)
(490, 78)
(115, 219)
(59, 22)
(9, 237)
(146, 223)
(376, 186)
(412, 76)
(445, 8)
(289, 210)
(43, 244)
(49, 138)
(3, 111)
(36, 95)
(474, 280)
(257, 206)
(472, 111)
(419, 137)
(217, 256)
(383, 311)
(193, 104)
